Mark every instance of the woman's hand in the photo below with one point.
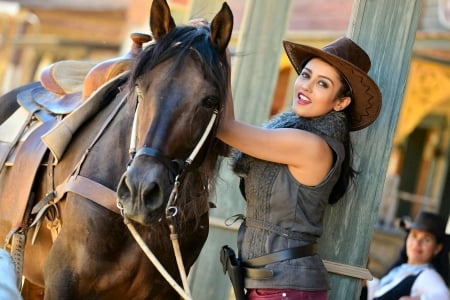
(229, 109)
(228, 114)
(224, 130)
(409, 298)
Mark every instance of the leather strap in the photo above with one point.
(104, 196)
(89, 189)
(175, 166)
(258, 273)
(281, 255)
(253, 268)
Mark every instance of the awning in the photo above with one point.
(426, 92)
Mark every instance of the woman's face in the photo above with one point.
(421, 247)
(316, 90)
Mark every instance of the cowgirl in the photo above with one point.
(296, 164)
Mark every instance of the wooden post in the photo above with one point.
(254, 74)
(202, 9)
(386, 30)
(255, 66)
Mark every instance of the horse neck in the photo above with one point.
(107, 141)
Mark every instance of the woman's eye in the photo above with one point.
(323, 84)
(304, 74)
(428, 239)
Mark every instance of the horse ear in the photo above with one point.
(221, 28)
(161, 21)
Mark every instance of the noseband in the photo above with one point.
(174, 166)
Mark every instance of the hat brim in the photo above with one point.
(366, 96)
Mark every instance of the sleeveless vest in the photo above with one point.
(283, 213)
(401, 289)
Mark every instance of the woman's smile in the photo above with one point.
(302, 99)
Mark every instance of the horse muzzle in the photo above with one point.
(145, 187)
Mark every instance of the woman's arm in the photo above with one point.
(429, 285)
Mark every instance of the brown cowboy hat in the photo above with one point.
(354, 63)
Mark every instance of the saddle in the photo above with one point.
(50, 112)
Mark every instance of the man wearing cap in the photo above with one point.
(422, 270)
(295, 165)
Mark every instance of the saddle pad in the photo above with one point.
(11, 127)
(12, 133)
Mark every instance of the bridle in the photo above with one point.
(176, 168)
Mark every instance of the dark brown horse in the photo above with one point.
(176, 85)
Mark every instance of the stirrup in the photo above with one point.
(17, 254)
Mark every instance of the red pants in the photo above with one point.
(285, 294)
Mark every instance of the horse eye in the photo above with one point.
(210, 102)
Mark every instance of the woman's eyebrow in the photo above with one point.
(322, 76)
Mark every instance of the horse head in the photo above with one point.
(179, 82)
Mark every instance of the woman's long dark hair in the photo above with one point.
(439, 262)
(347, 171)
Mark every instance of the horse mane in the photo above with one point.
(178, 44)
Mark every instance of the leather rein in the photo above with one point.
(176, 168)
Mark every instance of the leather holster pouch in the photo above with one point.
(231, 264)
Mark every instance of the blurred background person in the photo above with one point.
(422, 270)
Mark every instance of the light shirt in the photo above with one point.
(429, 285)
(8, 287)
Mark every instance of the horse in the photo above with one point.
(135, 151)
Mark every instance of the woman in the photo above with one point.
(422, 270)
(296, 164)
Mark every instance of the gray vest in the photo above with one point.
(283, 213)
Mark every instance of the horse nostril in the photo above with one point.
(152, 195)
(123, 189)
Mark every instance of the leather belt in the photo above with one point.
(253, 267)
